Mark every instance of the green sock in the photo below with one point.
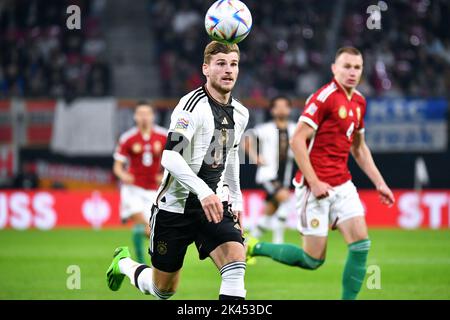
(138, 235)
(287, 254)
(355, 269)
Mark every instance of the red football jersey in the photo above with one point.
(336, 117)
(143, 155)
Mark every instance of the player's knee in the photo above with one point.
(311, 262)
(163, 293)
(316, 264)
(232, 286)
(360, 246)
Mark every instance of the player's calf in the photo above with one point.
(355, 268)
(232, 286)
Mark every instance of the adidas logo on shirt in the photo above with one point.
(224, 121)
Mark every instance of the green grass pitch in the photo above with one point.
(33, 265)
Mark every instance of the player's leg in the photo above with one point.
(150, 280)
(313, 224)
(355, 234)
(310, 257)
(351, 223)
(282, 197)
(132, 209)
(171, 233)
(229, 258)
(223, 243)
(263, 224)
(141, 231)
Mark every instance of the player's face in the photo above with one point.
(222, 71)
(143, 116)
(281, 109)
(347, 70)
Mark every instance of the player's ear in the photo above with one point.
(205, 69)
(333, 68)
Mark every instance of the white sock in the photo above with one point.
(283, 210)
(233, 280)
(278, 231)
(128, 267)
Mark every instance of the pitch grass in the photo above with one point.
(33, 265)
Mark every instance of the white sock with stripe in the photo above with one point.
(232, 286)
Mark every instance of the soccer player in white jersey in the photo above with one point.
(268, 147)
(199, 199)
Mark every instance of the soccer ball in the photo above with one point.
(228, 21)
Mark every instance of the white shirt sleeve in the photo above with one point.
(184, 122)
(232, 172)
(232, 179)
(173, 162)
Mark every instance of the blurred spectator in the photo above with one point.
(39, 57)
(286, 50)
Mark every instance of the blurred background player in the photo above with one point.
(137, 163)
(331, 126)
(268, 147)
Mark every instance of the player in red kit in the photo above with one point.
(137, 164)
(331, 127)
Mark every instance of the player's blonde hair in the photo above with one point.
(215, 47)
(349, 50)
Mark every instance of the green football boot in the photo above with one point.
(250, 244)
(114, 278)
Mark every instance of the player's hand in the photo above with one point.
(213, 208)
(320, 189)
(386, 195)
(127, 178)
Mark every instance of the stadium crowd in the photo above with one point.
(287, 49)
(39, 56)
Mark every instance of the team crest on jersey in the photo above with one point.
(136, 148)
(358, 113)
(311, 109)
(342, 112)
(315, 223)
(161, 248)
(182, 124)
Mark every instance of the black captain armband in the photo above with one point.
(176, 142)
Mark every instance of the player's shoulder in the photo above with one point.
(127, 135)
(239, 106)
(325, 92)
(265, 126)
(190, 101)
(359, 96)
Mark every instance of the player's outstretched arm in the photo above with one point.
(173, 162)
(363, 157)
(302, 134)
(121, 173)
